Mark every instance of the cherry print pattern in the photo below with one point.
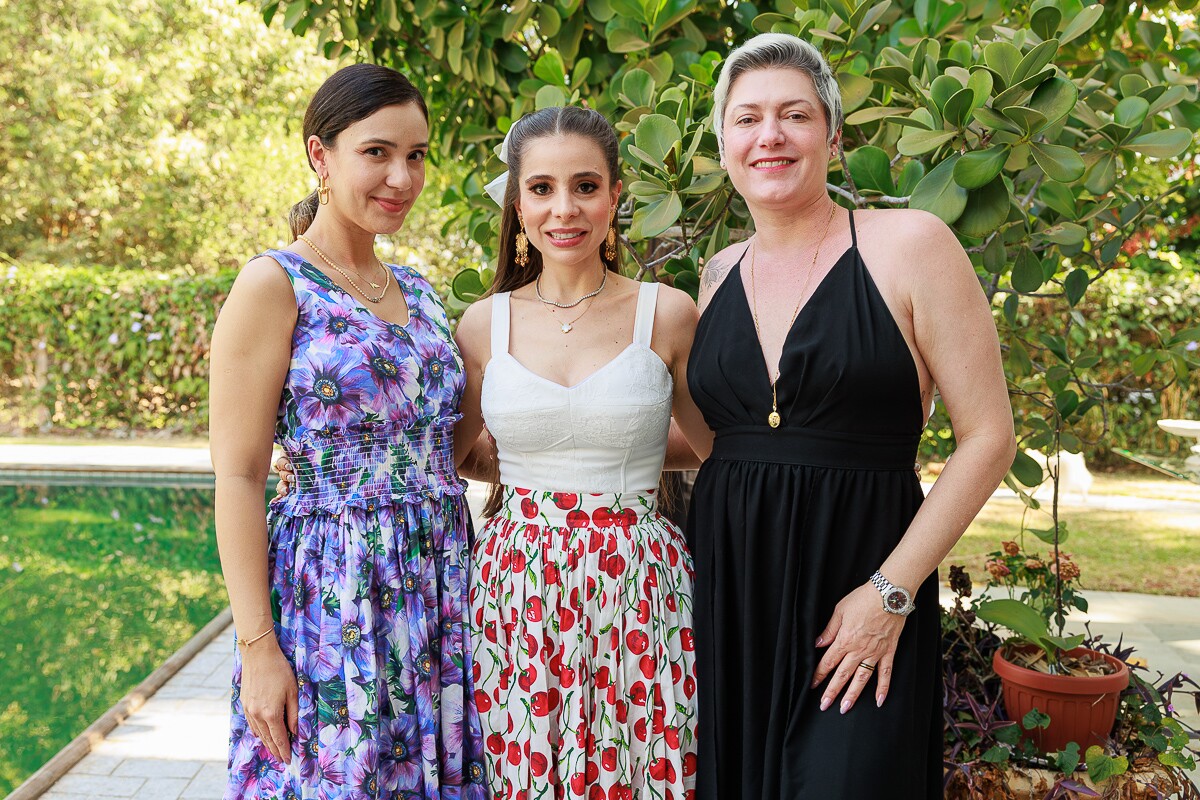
(581, 614)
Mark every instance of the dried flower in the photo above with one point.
(997, 569)
(960, 581)
(1065, 568)
(1011, 548)
(1033, 563)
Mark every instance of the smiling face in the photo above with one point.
(777, 147)
(566, 198)
(376, 168)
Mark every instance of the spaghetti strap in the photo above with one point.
(853, 233)
(643, 323)
(500, 323)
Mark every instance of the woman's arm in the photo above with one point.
(690, 439)
(251, 351)
(474, 343)
(956, 338)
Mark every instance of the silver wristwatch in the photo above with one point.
(896, 600)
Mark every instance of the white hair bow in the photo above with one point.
(499, 185)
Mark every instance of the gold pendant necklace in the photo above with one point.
(370, 298)
(773, 419)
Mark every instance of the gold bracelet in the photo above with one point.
(248, 642)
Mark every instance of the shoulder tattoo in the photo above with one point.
(714, 271)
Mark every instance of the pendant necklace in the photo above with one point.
(773, 419)
(370, 298)
(569, 326)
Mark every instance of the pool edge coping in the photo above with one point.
(61, 762)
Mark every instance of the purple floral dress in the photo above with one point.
(369, 559)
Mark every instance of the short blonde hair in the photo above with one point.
(778, 51)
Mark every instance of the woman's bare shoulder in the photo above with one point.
(716, 269)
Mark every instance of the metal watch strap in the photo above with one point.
(887, 588)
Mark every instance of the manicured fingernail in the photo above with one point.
(845, 706)
(825, 703)
(879, 701)
(820, 641)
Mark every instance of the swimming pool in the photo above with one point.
(101, 579)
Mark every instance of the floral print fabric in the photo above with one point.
(369, 559)
(584, 666)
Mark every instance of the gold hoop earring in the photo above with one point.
(322, 191)
(610, 241)
(522, 244)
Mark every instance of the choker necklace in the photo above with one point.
(773, 419)
(537, 288)
(387, 273)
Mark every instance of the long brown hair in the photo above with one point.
(347, 96)
(561, 120)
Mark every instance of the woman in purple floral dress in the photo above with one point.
(352, 674)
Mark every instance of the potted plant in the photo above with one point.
(1078, 688)
(992, 753)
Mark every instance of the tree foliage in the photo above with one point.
(1047, 134)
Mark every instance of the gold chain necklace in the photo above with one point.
(773, 419)
(387, 273)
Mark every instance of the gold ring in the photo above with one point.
(866, 666)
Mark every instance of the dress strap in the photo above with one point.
(853, 233)
(500, 323)
(643, 323)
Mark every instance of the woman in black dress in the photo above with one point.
(815, 360)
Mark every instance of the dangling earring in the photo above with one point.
(322, 191)
(610, 241)
(522, 244)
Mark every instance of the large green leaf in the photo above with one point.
(654, 218)
(638, 87)
(1027, 276)
(980, 167)
(938, 193)
(1081, 23)
(1054, 99)
(1131, 112)
(871, 169)
(1102, 175)
(1161, 144)
(986, 210)
(920, 142)
(1016, 616)
(855, 90)
(1059, 163)
(549, 67)
(468, 286)
(1058, 197)
(657, 134)
(1102, 766)
(1002, 58)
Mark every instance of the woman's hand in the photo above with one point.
(269, 697)
(860, 632)
(287, 476)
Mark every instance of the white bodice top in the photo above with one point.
(607, 433)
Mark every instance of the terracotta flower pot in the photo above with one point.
(1081, 709)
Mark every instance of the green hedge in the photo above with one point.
(98, 349)
(104, 350)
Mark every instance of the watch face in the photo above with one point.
(896, 600)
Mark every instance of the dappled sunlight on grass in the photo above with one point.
(98, 585)
(1156, 552)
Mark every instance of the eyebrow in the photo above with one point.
(800, 101)
(588, 174)
(390, 143)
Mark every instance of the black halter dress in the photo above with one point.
(786, 522)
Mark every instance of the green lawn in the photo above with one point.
(98, 585)
(1156, 552)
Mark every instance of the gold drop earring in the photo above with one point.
(610, 241)
(522, 243)
(322, 191)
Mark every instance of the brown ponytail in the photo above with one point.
(302, 214)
